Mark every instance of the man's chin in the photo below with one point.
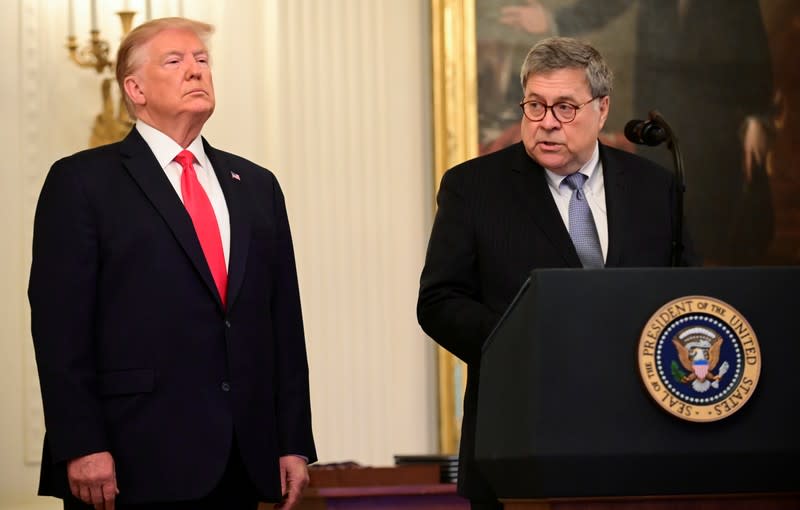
(200, 108)
(549, 160)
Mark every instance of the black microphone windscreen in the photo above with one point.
(652, 134)
(645, 132)
(633, 131)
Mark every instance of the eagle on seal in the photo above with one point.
(698, 351)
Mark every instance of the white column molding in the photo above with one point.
(349, 136)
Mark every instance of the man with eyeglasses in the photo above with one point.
(559, 198)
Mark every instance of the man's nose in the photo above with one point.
(549, 121)
(193, 70)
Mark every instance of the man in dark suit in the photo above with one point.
(165, 308)
(705, 66)
(506, 213)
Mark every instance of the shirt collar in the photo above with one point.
(165, 148)
(590, 169)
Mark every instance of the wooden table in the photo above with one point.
(385, 497)
(415, 487)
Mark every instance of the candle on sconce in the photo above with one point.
(125, 6)
(94, 14)
(148, 11)
(70, 19)
(180, 8)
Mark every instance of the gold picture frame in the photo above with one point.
(455, 118)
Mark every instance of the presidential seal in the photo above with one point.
(699, 358)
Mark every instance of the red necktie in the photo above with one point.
(205, 222)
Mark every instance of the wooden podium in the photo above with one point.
(565, 421)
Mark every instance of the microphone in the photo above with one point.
(645, 132)
(653, 132)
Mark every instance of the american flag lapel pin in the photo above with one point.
(235, 176)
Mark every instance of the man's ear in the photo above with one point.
(605, 107)
(134, 90)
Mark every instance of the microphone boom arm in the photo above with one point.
(677, 160)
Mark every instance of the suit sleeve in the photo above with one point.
(293, 396)
(62, 293)
(449, 306)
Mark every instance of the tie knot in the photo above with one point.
(575, 181)
(185, 159)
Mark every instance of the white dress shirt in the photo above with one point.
(165, 149)
(593, 188)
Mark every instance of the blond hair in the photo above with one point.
(129, 57)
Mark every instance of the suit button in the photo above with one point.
(227, 324)
(226, 386)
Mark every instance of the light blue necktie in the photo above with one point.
(582, 229)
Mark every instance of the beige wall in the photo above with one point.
(332, 95)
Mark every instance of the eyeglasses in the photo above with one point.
(564, 112)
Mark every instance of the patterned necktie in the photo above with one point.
(582, 229)
(205, 221)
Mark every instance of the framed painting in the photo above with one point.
(723, 73)
(455, 117)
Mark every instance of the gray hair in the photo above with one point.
(555, 53)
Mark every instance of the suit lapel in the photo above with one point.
(240, 222)
(529, 187)
(139, 161)
(617, 208)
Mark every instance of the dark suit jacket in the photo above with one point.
(496, 222)
(135, 352)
